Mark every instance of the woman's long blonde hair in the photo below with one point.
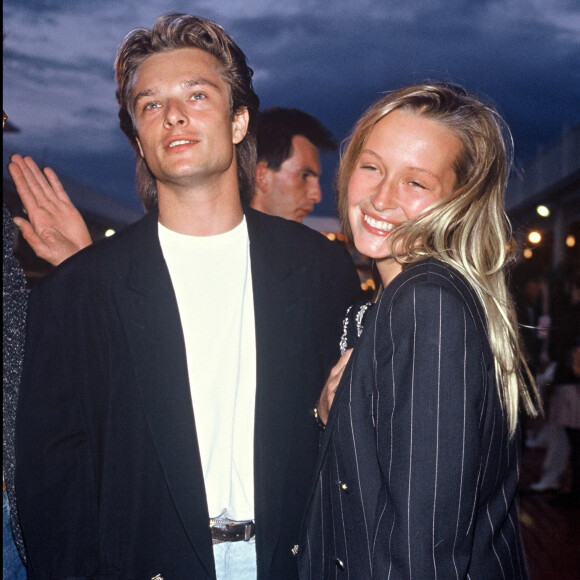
(468, 229)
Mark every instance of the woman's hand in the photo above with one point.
(327, 395)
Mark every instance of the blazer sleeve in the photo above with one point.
(55, 467)
(429, 365)
(340, 289)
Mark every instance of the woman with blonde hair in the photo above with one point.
(418, 468)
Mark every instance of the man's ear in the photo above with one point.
(240, 125)
(139, 145)
(263, 176)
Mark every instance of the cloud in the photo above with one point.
(331, 58)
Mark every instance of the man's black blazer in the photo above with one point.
(109, 479)
(417, 477)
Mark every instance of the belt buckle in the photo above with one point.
(225, 530)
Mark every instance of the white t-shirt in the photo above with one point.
(211, 276)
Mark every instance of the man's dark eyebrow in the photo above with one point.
(184, 84)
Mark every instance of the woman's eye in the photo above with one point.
(416, 184)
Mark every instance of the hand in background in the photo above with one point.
(56, 229)
(327, 396)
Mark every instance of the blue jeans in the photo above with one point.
(12, 566)
(235, 560)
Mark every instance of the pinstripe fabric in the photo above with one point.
(416, 476)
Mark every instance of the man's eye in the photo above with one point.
(197, 96)
(152, 105)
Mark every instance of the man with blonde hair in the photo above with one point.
(165, 424)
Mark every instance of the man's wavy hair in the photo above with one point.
(469, 228)
(171, 32)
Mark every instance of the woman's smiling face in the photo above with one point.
(407, 165)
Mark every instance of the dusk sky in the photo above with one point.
(331, 58)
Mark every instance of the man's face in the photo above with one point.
(183, 119)
(292, 191)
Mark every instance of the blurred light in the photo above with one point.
(368, 284)
(109, 233)
(535, 237)
(528, 253)
(570, 241)
(543, 211)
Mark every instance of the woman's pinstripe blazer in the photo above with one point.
(417, 477)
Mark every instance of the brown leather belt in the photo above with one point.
(229, 531)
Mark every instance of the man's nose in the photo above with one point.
(314, 192)
(174, 114)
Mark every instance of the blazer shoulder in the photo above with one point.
(293, 238)
(430, 277)
(437, 274)
(102, 259)
(279, 227)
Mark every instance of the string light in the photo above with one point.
(543, 211)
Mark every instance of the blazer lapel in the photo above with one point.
(150, 315)
(279, 314)
(277, 310)
(341, 392)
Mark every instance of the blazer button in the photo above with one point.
(295, 550)
(343, 486)
(339, 563)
